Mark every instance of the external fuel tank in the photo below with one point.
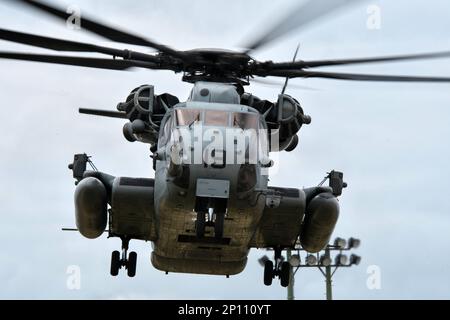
(91, 207)
(320, 219)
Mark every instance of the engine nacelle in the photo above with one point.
(145, 111)
(132, 208)
(284, 119)
(91, 207)
(290, 118)
(321, 216)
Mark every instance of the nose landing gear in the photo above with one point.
(280, 269)
(210, 213)
(118, 261)
(201, 223)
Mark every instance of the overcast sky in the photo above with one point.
(390, 140)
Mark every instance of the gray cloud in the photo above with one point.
(391, 141)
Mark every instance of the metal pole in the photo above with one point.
(328, 276)
(290, 288)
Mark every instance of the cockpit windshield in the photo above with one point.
(216, 118)
(186, 117)
(243, 120)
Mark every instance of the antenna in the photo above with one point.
(287, 78)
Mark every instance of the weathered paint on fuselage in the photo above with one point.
(175, 216)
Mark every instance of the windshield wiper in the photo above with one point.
(193, 121)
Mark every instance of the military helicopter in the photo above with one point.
(209, 202)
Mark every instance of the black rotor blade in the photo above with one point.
(67, 45)
(323, 63)
(103, 30)
(103, 113)
(356, 77)
(286, 82)
(299, 16)
(267, 82)
(78, 61)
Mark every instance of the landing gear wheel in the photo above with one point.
(218, 225)
(115, 263)
(200, 225)
(268, 272)
(131, 264)
(285, 274)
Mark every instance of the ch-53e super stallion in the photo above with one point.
(209, 202)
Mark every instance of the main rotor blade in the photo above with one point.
(271, 83)
(300, 16)
(356, 77)
(101, 29)
(67, 45)
(323, 63)
(78, 61)
(103, 113)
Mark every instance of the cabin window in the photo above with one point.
(166, 131)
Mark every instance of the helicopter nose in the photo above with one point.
(216, 147)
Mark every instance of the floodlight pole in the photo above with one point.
(328, 276)
(290, 288)
(323, 263)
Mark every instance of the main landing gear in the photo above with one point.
(281, 269)
(118, 261)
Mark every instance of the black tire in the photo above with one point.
(115, 263)
(200, 225)
(131, 265)
(218, 225)
(285, 274)
(268, 272)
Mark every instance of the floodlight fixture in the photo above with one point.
(263, 259)
(353, 243)
(340, 242)
(325, 261)
(311, 260)
(341, 259)
(354, 259)
(294, 260)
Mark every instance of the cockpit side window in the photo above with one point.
(165, 131)
(263, 139)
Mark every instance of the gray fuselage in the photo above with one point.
(177, 249)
